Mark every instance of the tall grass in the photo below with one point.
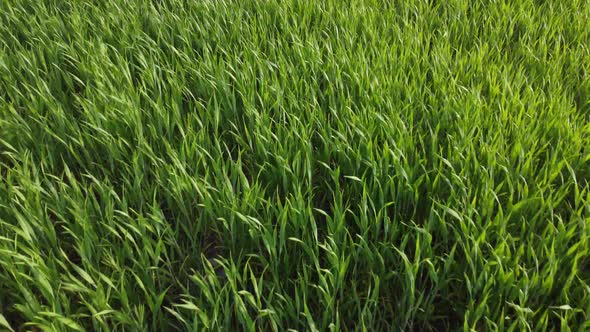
(307, 165)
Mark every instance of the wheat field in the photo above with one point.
(320, 165)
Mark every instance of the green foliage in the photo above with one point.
(317, 165)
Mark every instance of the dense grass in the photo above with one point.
(312, 165)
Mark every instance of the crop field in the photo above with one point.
(319, 165)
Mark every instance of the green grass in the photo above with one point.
(310, 165)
